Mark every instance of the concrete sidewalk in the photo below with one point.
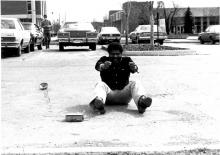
(183, 119)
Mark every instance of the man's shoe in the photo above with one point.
(98, 104)
(143, 103)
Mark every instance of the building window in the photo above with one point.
(29, 7)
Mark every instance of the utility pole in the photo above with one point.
(150, 8)
(33, 11)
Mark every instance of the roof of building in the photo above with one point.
(199, 12)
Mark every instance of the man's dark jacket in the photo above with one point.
(117, 75)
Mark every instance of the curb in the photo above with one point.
(195, 150)
(157, 53)
(160, 53)
(181, 41)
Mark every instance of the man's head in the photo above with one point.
(45, 16)
(115, 51)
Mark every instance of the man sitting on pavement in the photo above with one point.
(115, 87)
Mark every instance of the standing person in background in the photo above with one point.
(115, 88)
(46, 25)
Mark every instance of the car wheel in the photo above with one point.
(27, 49)
(39, 47)
(201, 41)
(212, 40)
(100, 42)
(92, 47)
(32, 47)
(18, 51)
(161, 42)
(61, 48)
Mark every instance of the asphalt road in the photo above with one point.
(184, 116)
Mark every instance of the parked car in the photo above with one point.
(77, 34)
(143, 32)
(108, 35)
(13, 36)
(36, 35)
(211, 34)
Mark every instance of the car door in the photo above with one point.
(25, 34)
(205, 35)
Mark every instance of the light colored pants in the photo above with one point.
(131, 91)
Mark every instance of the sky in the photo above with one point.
(96, 10)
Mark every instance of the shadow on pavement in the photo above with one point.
(89, 113)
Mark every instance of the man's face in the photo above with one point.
(115, 56)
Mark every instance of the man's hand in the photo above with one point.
(105, 65)
(133, 67)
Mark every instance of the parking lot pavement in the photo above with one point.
(184, 116)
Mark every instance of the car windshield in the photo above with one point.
(28, 26)
(215, 29)
(78, 26)
(109, 29)
(7, 24)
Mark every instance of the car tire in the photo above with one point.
(100, 42)
(27, 49)
(92, 47)
(32, 47)
(161, 42)
(133, 41)
(212, 40)
(201, 41)
(39, 47)
(18, 51)
(61, 47)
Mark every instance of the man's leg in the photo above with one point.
(101, 91)
(49, 39)
(138, 95)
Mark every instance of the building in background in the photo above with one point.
(25, 10)
(202, 17)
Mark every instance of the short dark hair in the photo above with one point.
(45, 16)
(114, 46)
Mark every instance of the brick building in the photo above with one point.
(25, 10)
(202, 17)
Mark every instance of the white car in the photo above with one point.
(142, 34)
(211, 34)
(108, 35)
(13, 36)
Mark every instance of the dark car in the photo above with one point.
(77, 34)
(36, 35)
(211, 34)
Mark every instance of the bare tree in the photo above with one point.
(169, 16)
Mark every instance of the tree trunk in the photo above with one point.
(150, 6)
(152, 30)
